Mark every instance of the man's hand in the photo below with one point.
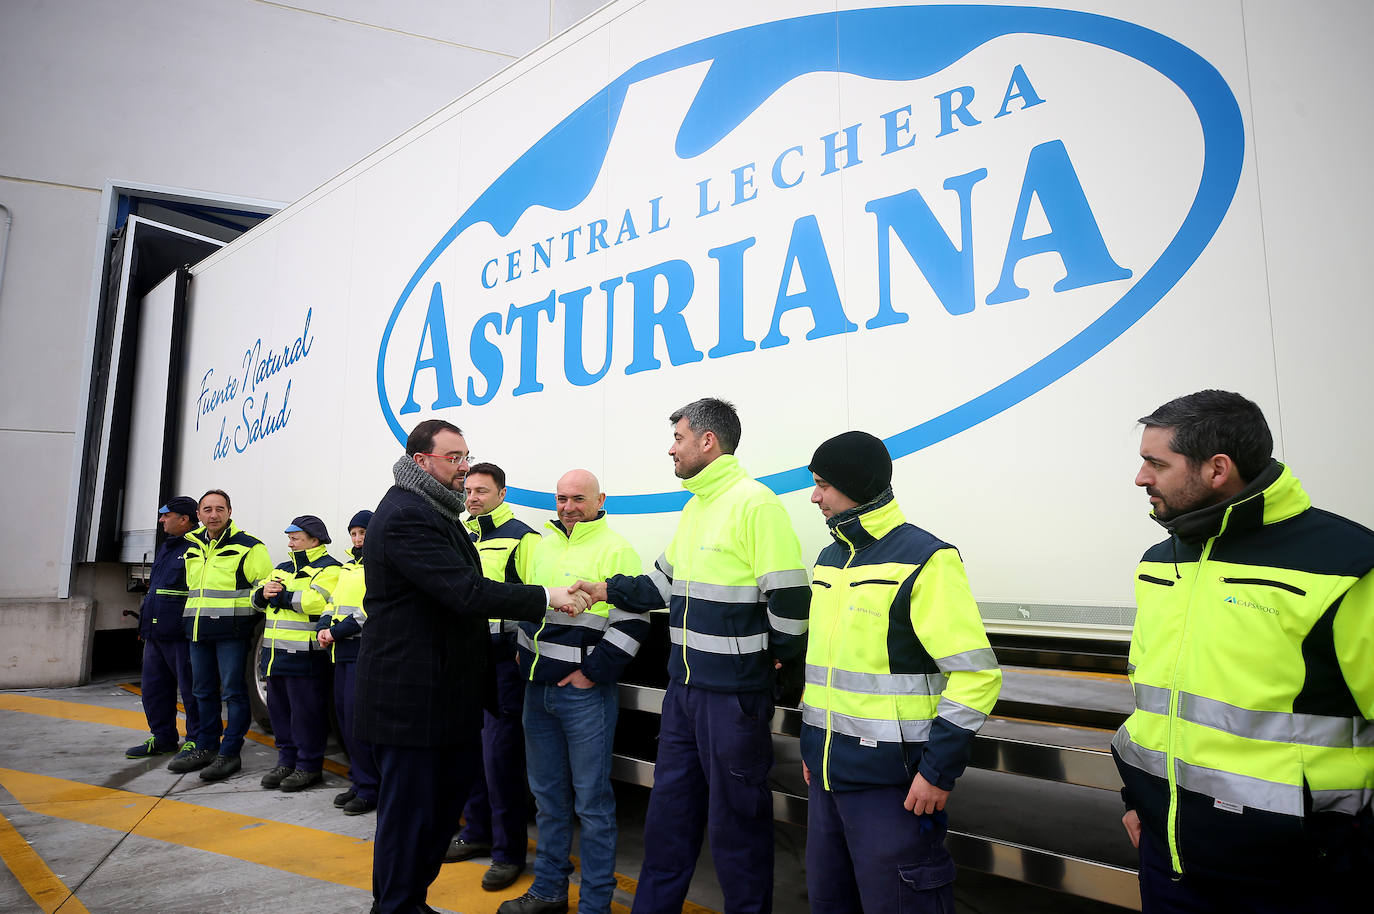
(596, 590)
(924, 797)
(565, 599)
(325, 637)
(1132, 822)
(806, 774)
(272, 588)
(577, 680)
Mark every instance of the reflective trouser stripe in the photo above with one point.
(878, 683)
(563, 652)
(888, 731)
(720, 644)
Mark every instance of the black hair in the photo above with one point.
(712, 415)
(421, 440)
(1212, 422)
(497, 474)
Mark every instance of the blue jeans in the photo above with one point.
(217, 672)
(568, 735)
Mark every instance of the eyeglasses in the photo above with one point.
(461, 458)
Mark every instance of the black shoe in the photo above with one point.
(299, 780)
(528, 904)
(149, 748)
(273, 778)
(500, 875)
(191, 759)
(221, 768)
(341, 799)
(458, 849)
(357, 806)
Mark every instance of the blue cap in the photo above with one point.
(182, 504)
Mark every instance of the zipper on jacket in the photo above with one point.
(1267, 583)
(1151, 579)
(830, 672)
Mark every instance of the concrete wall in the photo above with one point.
(47, 643)
(226, 97)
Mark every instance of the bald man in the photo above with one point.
(571, 701)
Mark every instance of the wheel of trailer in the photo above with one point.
(257, 683)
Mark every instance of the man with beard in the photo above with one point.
(421, 670)
(737, 594)
(1248, 762)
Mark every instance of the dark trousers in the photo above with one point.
(1161, 893)
(714, 752)
(362, 768)
(864, 852)
(495, 811)
(167, 670)
(299, 706)
(418, 804)
(218, 671)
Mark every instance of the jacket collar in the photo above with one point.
(866, 524)
(581, 530)
(485, 525)
(231, 530)
(306, 557)
(714, 478)
(1274, 495)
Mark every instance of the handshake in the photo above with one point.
(577, 597)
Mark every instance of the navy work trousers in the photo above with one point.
(1162, 893)
(418, 804)
(714, 753)
(865, 852)
(362, 768)
(167, 670)
(495, 811)
(299, 706)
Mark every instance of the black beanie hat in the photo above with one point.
(360, 519)
(856, 463)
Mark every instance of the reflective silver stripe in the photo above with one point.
(721, 644)
(776, 580)
(1152, 698)
(787, 626)
(172, 593)
(1150, 761)
(296, 599)
(342, 610)
(552, 651)
(290, 625)
(290, 645)
(879, 683)
(886, 731)
(721, 593)
(622, 615)
(1349, 802)
(1256, 793)
(581, 620)
(360, 616)
(1130, 667)
(960, 715)
(1274, 726)
(618, 638)
(208, 594)
(218, 612)
(662, 576)
(982, 658)
(319, 590)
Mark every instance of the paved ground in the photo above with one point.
(83, 829)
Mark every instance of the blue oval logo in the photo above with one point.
(749, 65)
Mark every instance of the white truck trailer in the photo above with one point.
(991, 235)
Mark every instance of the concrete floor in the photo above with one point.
(82, 829)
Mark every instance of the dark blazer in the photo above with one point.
(420, 670)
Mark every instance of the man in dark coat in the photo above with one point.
(422, 664)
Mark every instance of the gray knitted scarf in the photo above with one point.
(410, 477)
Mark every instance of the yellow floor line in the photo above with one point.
(42, 884)
(1068, 674)
(134, 720)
